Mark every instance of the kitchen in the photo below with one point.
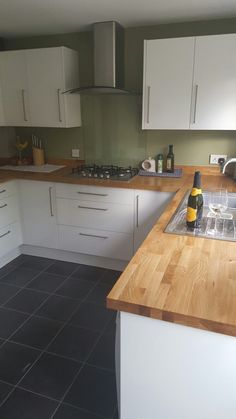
(110, 134)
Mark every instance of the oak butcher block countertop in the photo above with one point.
(181, 279)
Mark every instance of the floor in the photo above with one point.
(56, 341)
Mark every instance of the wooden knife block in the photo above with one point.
(38, 156)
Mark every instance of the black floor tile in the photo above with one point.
(74, 342)
(35, 262)
(11, 266)
(7, 291)
(46, 282)
(19, 276)
(75, 288)
(58, 308)
(14, 361)
(103, 354)
(110, 277)
(24, 405)
(4, 390)
(37, 332)
(62, 268)
(69, 412)
(51, 376)
(99, 293)
(92, 316)
(94, 390)
(10, 321)
(91, 273)
(27, 301)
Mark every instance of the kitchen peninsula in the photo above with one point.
(177, 324)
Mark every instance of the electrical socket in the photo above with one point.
(214, 158)
(75, 152)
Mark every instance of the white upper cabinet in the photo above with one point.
(33, 82)
(50, 72)
(15, 93)
(167, 83)
(214, 86)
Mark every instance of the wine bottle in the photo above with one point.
(195, 204)
(170, 160)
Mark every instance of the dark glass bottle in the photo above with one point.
(170, 160)
(195, 204)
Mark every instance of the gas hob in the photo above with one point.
(106, 172)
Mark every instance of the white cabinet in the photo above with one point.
(33, 82)
(149, 205)
(167, 83)
(215, 83)
(51, 71)
(2, 113)
(15, 95)
(38, 213)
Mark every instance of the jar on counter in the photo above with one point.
(160, 159)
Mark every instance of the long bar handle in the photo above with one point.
(23, 104)
(93, 235)
(148, 103)
(8, 232)
(50, 200)
(93, 208)
(90, 193)
(137, 211)
(3, 190)
(3, 206)
(59, 104)
(195, 104)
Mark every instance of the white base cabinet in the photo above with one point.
(38, 213)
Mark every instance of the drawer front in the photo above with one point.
(8, 210)
(96, 242)
(95, 193)
(98, 215)
(10, 238)
(7, 189)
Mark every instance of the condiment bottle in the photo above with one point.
(159, 163)
(170, 160)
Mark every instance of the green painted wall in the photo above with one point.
(111, 130)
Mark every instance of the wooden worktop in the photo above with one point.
(181, 279)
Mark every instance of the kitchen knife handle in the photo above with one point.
(195, 104)
(50, 200)
(148, 103)
(59, 104)
(137, 211)
(23, 104)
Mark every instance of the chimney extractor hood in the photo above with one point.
(108, 60)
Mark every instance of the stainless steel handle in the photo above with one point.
(148, 102)
(93, 208)
(59, 104)
(8, 232)
(3, 206)
(23, 103)
(90, 193)
(93, 235)
(50, 200)
(195, 104)
(137, 209)
(3, 190)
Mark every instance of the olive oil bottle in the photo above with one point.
(195, 204)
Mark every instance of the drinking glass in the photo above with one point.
(217, 202)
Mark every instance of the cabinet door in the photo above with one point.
(167, 85)
(37, 204)
(149, 205)
(2, 114)
(214, 85)
(45, 79)
(14, 88)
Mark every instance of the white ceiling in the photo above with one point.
(35, 17)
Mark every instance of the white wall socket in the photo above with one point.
(75, 152)
(214, 158)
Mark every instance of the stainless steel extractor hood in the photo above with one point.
(108, 60)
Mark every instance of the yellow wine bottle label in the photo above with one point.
(191, 214)
(196, 191)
